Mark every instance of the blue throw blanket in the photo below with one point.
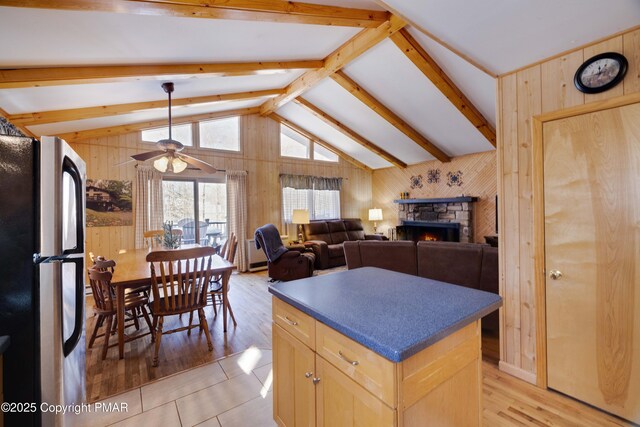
(268, 237)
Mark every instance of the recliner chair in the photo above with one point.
(283, 263)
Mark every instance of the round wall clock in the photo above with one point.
(600, 73)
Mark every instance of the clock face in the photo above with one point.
(600, 73)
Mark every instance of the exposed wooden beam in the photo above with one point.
(22, 128)
(349, 132)
(134, 127)
(245, 10)
(423, 30)
(350, 50)
(370, 101)
(55, 76)
(30, 119)
(432, 70)
(317, 140)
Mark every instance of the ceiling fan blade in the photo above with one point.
(125, 162)
(148, 155)
(203, 166)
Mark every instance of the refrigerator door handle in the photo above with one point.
(69, 167)
(78, 323)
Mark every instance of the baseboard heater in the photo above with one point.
(256, 257)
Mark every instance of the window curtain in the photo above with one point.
(148, 202)
(319, 195)
(237, 213)
(308, 182)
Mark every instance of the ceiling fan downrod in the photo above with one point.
(168, 88)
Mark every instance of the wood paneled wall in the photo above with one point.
(260, 157)
(478, 177)
(543, 87)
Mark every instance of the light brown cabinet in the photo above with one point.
(323, 378)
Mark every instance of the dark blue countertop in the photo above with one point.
(4, 343)
(394, 314)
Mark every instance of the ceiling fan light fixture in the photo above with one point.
(178, 164)
(161, 164)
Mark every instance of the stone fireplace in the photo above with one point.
(443, 219)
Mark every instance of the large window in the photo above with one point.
(321, 204)
(218, 134)
(181, 133)
(183, 201)
(318, 195)
(293, 144)
(221, 134)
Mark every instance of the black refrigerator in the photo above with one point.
(42, 280)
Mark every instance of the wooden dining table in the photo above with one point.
(133, 271)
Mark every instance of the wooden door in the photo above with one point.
(592, 237)
(342, 402)
(294, 369)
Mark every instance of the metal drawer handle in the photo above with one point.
(343, 357)
(289, 321)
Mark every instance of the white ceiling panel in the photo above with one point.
(479, 87)
(391, 77)
(331, 98)
(24, 100)
(142, 116)
(41, 37)
(309, 122)
(503, 35)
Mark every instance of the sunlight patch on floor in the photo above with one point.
(249, 359)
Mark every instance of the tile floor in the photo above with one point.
(231, 392)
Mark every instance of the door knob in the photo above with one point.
(308, 375)
(555, 274)
(315, 381)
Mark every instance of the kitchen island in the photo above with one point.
(373, 347)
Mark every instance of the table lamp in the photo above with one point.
(375, 214)
(300, 216)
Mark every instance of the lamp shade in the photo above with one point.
(300, 216)
(375, 214)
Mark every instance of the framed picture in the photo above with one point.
(109, 203)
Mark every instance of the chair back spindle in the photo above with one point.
(180, 279)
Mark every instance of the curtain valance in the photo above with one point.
(308, 182)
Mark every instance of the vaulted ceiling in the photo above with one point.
(392, 82)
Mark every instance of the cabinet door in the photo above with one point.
(342, 402)
(293, 368)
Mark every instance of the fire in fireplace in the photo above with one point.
(430, 237)
(424, 230)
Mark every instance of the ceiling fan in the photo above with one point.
(168, 157)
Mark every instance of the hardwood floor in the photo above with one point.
(251, 305)
(507, 401)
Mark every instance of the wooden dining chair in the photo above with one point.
(102, 264)
(217, 298)
(105, 306)
(152, 237)
(179, 284)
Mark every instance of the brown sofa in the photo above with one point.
(326, 238)
(466, 264)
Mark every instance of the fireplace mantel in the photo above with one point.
(465, 199)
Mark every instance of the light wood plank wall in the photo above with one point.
(540, 88)
(260, 157)
(478, 177)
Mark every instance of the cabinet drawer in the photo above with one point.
(297, 323)
(364, 366)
